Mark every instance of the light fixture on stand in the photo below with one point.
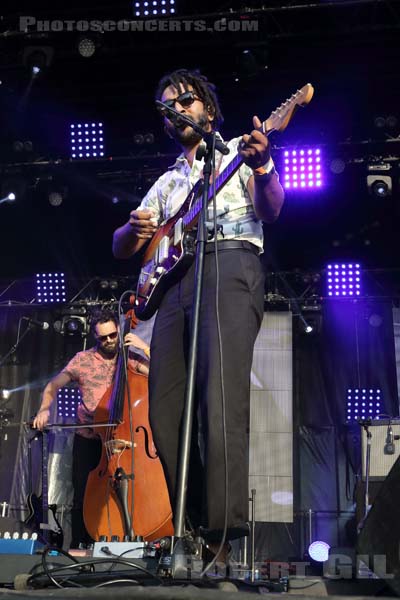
(379, 180)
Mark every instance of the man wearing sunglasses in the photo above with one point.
(252, 195)
(93, 371)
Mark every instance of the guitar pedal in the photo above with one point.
(12, 543)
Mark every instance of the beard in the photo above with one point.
(109, 351)
(185, 135)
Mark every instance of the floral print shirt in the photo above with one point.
(94, 374)
(235, 210)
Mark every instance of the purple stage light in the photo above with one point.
(50, 288)
(363, 403)
(87, 140)
(68, 399)
(152, 8)
(343, 280)
(302, 169)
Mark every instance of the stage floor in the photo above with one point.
(14, 581)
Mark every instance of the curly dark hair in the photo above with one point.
(204, 89)
(103, 315)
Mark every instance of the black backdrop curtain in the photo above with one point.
(351, 347)
(41, 354)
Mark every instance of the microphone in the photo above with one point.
(389, 445)
(171, 113)
(178, 119)
(42, 324)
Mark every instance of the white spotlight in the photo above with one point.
(86, 47)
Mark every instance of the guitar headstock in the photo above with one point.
(280, 118)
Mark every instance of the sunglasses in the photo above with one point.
(185, 100)
(104, 338)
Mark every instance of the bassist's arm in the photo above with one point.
(49, 394)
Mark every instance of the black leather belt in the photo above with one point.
(233, 245)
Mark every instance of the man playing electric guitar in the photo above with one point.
(252, 195)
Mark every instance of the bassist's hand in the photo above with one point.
(41, 419)
(254, 148)
(143, 223)
(131, 339)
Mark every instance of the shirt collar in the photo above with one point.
(181, 160)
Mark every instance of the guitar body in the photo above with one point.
(49, 529)
(42, 516)
(172, 248)
(35, 516)
(168, 256)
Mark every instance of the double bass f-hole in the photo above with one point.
(146, 442)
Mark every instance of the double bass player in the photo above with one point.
(93, 371)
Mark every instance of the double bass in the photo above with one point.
(126, 494)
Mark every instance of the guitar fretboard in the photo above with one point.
(45, 486)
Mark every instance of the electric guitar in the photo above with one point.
(42, 516)
(171, 250)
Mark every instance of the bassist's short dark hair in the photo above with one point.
(204, 89)
(103, 315)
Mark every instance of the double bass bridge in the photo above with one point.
(117, 446)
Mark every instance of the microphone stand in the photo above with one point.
(182, 567)
(366, 423)
(18, 341)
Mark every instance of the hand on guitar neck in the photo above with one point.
(255, 148)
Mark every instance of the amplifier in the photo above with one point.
(383, 456)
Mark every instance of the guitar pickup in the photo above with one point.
(178, 231)
(163, 249)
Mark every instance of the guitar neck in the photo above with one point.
(45, 490)
(191, 217)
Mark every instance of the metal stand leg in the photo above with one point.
(253, 531)
(365, 424)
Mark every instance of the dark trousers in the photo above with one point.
(86, 455)
(241, 305)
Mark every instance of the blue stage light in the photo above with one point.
(343, 280)
(363, 403)
(68, 399)
(87, 140)
(50, 288)
(303, 169)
